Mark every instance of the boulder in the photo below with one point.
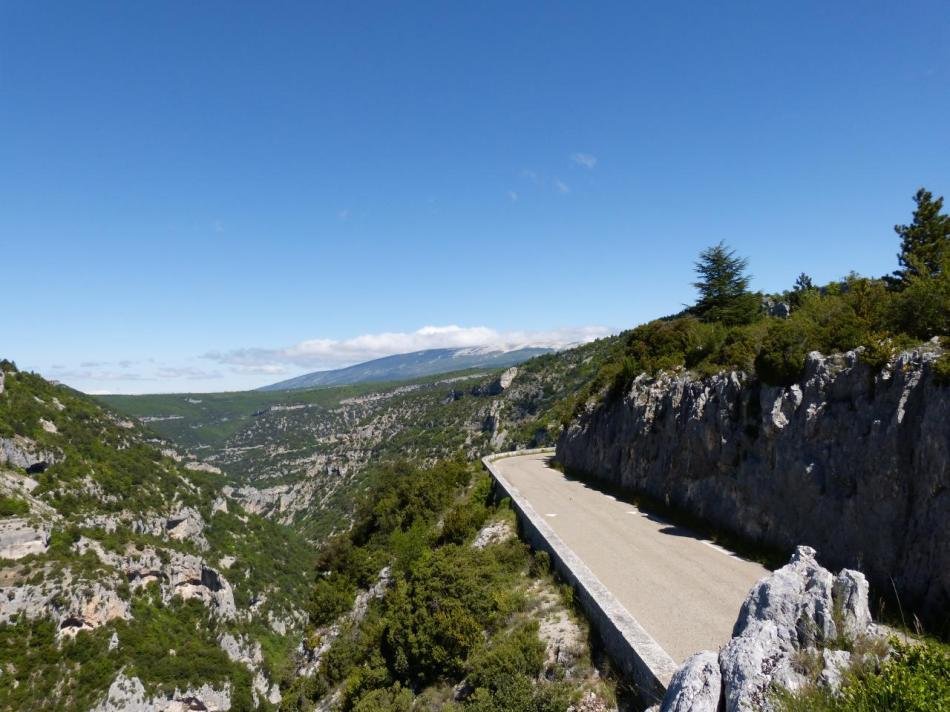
(696, 686)
(493, 533)
(795, 610)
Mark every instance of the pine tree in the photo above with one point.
(803, 283)
(925, 243)
(723, 287)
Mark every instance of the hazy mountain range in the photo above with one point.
(412, 365)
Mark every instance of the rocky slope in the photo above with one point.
(115, 552)
(850, 460)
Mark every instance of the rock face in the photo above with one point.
(18, 539)
(800, 607)
(127, 694)
(695, 687)
(187, 524)
(19, 451)
(852, 461)
(75, 605)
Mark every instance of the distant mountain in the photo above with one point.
(411, 365)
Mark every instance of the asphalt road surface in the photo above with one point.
(684, 590)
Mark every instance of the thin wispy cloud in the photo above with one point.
(561, 187)
(513, 196)
(333, 353)
(218, 226)
(343, 215)
(584, 159)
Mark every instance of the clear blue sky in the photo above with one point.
(179, 180)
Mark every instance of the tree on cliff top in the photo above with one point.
(925, 243)
(723, 287)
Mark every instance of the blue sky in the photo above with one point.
(215, 195)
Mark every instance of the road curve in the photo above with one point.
(682, 589)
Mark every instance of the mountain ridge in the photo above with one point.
(428, 362)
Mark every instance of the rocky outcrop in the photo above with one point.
(178, 574)
(241, 650)
(493, 533)
(128, 694)
(187, 524)
(853, 461)
(190, 577)
(801, 608)
(18, 538)
(90, 606)
(20, 451)
(74, 605)
(696, 686)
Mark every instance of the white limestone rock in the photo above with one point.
(190, 577)
(127, 694)
(696, 686)
(91, 606)
(493, 533)
(797, 608)
(19, 538)
(19, 451)
(187, 524)
(851, 598)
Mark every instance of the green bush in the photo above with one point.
(13, 507)
(916, 678)
(941, 369)
(877, 350)
(520, 652)
(782, 356)
(331, 596)
(390, 699)
(520, 694)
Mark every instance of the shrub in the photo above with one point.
(916, 678)
(877, 351)
(391, 699)
(13, 507)
(520, 652)
(331, 596)
(782, 356)
(941, 369)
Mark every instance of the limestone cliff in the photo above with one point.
(850, 460)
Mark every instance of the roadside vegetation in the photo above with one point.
(731, 328)
(457, 626)
(911, 678)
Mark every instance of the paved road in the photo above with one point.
(684, 590)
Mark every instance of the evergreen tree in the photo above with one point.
(803, 286)
(925, 243)
(723, 287)
(803, 283)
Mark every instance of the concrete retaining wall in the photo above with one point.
(639, 657)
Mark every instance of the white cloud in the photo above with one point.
(333, 353)
(513, 196)
(343, 215)
(561, 186)
(584, 159)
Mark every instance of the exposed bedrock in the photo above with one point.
(800, 609)
(852, 461)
